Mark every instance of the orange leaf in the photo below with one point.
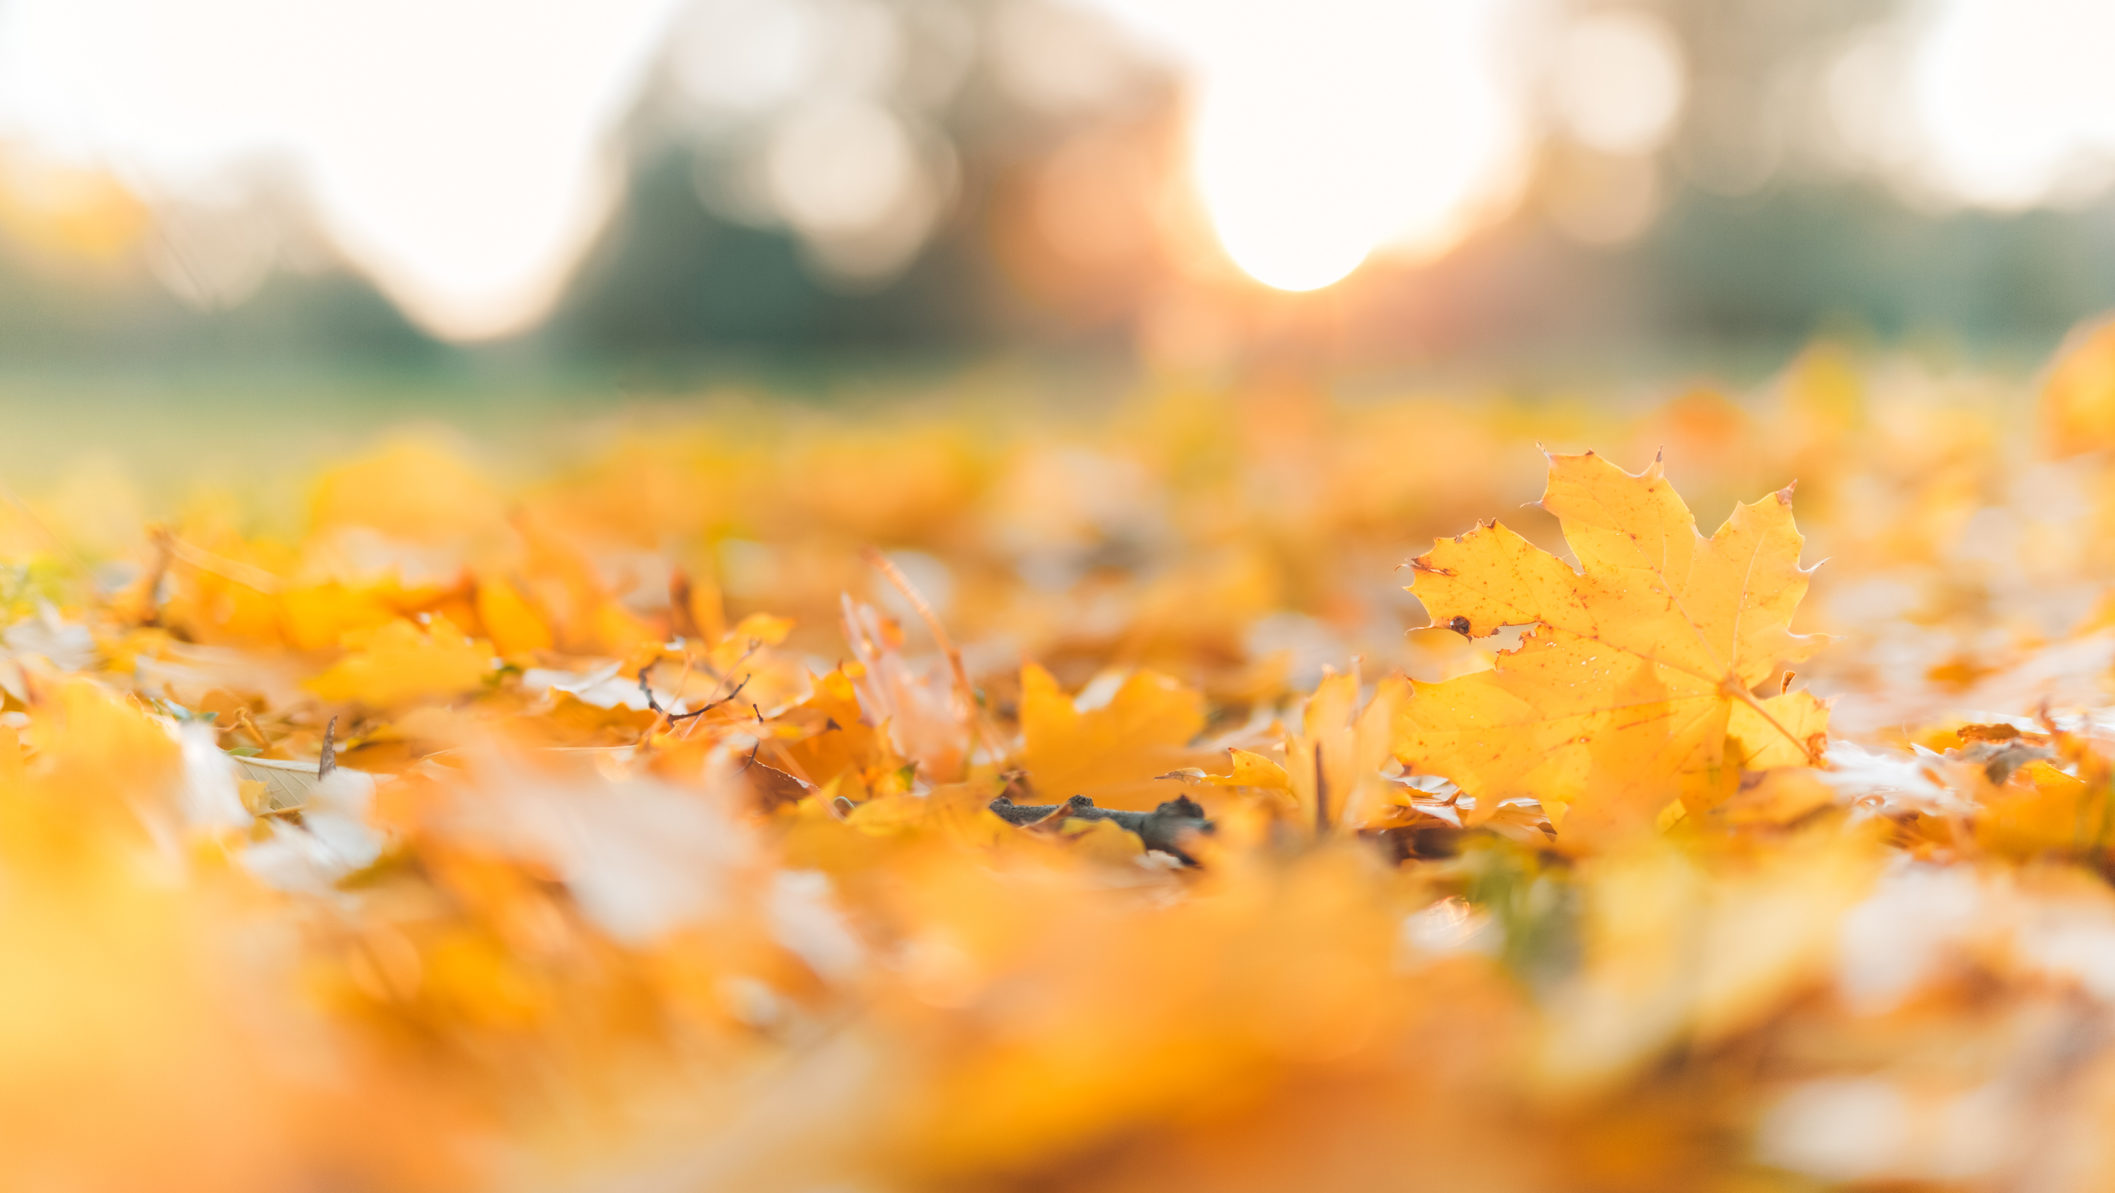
(401, 663)
(1113, 752)
(1635, 686)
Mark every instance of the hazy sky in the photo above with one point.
(459, 152)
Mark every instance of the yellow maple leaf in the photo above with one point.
(1636, 685)
(402, 663)
(1111, 753)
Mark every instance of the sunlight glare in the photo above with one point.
(2016, 99)
(455, 151)
(1325, 132)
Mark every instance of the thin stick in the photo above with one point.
(646, 689)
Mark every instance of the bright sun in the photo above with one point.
(1286, 201)
(1315, 145)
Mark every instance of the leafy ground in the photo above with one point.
(969, 799)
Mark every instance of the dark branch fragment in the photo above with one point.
(646, 689)
(1164, 828)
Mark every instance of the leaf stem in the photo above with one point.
(1732, 686)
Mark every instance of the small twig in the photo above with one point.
(1163, 829)
(732, 692)
(646, 689)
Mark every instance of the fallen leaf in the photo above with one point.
(1635, 686)
(1111, 753)
(402, 663)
